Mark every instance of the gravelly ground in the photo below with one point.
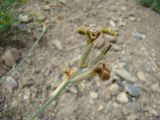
(95, 99)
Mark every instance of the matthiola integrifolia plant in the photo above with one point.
(94, 67)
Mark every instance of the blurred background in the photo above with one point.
(133, 91)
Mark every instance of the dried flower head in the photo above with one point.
(102, 71)
(107, 31)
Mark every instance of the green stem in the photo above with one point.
(55, 95)
(101, 55)
(85, 54)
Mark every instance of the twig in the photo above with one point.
(15, 67)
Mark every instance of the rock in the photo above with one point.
(11, 83)
(114, 89)
(57, 44)
(122, 97)
(131, 89)
(116, 47)
(121, 23)
(73, 90)
(124, 74)
(131, 13)
(131, 18)
(93, 95)
(141, 76)
(99, 43)
(132, 117)
(40, 18)
(10, 57)
(28, 83)
(21, 26)
(100, 108)
(138, 36)
(46, 7)
(156, 87)
(133, 106)
(25, 18)
(112, 23)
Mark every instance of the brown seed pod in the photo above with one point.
(105, 75)
(82, 30)
(107, 31)
(93, 34)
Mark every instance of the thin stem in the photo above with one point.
(15, 67)
(61, 88)
(85, 53)
(101, 55)
(53, 96)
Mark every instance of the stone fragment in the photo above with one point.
(122, 97)
(25, 18)
(12, 83)
(93, 95)
(141, 76)
(57, 44)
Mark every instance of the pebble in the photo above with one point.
(112, 23)
(114, 89)
(132, 117)
(12, 83)
(40, 18)
(21, 27)
(93, 95)
(116, 47)
(131, 18)
(25, 18)
(46, 8)
(124, 74)
(99, 43)
(156, 87)
(122, 97)
(141, 76)
(100, 108)
(138, 36)
(28, 83)
(131, 89)
(133, 106)
(57, 44)
(10, 56)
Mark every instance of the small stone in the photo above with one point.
(46, 7)
(122, 97)
(25, 18)
(57, 44)
(116, 47)
(156, 87)
(138, 36)
(99, 43)
(132, 117)
(73, 90)
(124, 74)
(100, 108)
(40, 18)
(121, 23)
(131, 89)
(141, 76)
(28, 83)
(21, 26)
(112, 23)
(131, 18)
(114, 89)
(93, 95)
(131, 13)
(12, 83)
(10, 57)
